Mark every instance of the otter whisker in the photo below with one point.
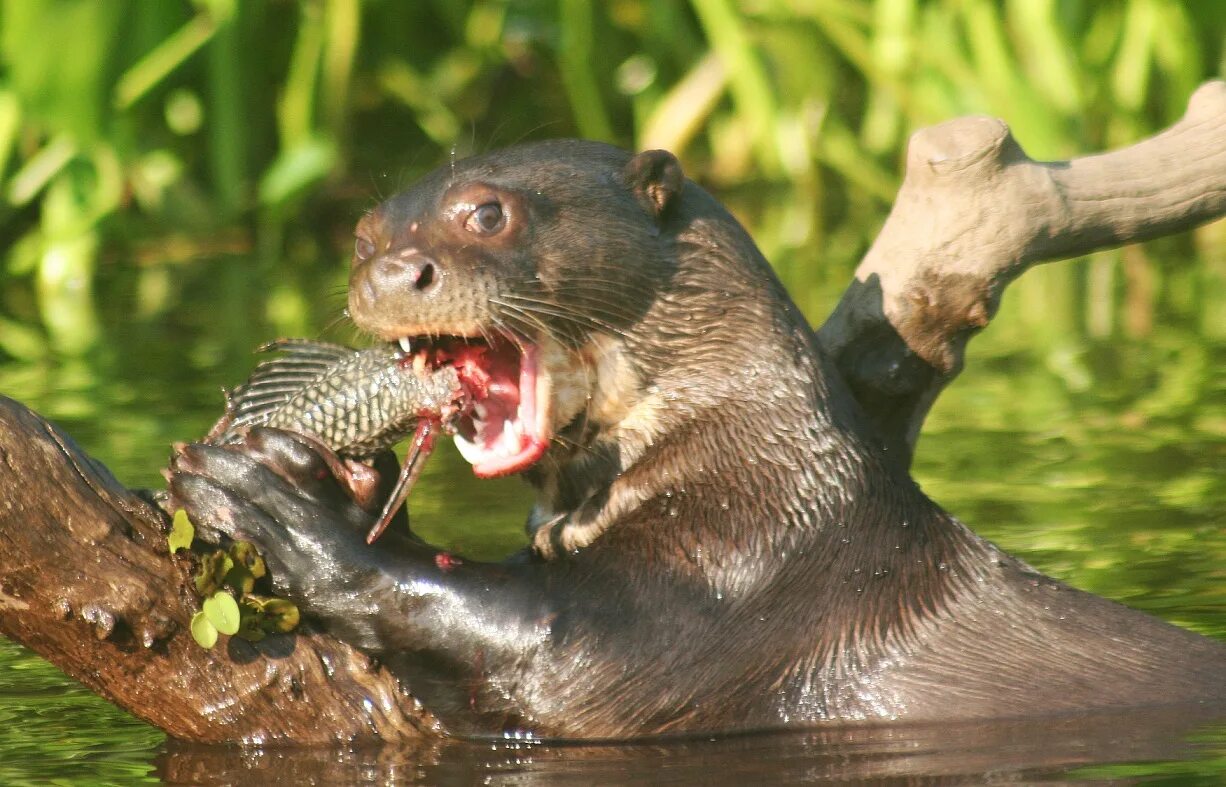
(509, 327)
(526, 317)
(588, 299)
(591, 289)
(587, 307)
(538, 315)
(599, 283)
(554, 309)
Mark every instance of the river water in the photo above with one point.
(1088, 436)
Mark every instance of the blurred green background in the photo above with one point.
(179, 182)
(152, 135)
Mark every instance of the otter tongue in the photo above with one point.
(510, 427)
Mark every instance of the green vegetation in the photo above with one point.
(224, 580)
(152, 135)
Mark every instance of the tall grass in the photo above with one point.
(160, 132)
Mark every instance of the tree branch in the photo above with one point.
(974, 212)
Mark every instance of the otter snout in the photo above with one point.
(397, 287)
(407, 292)
(402, 273)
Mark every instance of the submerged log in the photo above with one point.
(87, 581)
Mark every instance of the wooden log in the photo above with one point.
(87, 581)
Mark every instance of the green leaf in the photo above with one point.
(154, 68)
(182, 531)
(40, 169)
(240, 579)
(22, 342)
(297, 169)
(204, 632)
(251, 624)
(248, 566)
(280, 615)
(212, 573)
(246, 555)
(222, 611)
(251, 629)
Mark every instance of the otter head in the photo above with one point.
(530, 269)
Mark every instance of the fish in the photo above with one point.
(355, 402)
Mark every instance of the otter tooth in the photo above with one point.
(509, 432)
(406, 344)
(471, 452)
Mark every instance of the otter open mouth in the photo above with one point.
(503, 427)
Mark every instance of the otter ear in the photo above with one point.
(655, 177)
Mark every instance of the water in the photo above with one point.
(1092, 443)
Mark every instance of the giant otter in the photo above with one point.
(720, 541)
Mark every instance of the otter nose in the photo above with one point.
(403, 272)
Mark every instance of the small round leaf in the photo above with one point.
(280, 615)
(222, 611)
(204, 632)
(240, 579)
(251, 627)
(213, 570)
(246, 555)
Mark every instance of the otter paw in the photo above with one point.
(278, 493)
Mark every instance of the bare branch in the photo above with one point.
(973, 213)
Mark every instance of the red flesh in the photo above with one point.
(499, 388)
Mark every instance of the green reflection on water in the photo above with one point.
(54, 731)
(1096, 455)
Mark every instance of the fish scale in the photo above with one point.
(357, 402)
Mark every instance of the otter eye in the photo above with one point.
(363, 249)
(487, 219)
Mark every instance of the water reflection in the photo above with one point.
(51, 728)
(1119, 745)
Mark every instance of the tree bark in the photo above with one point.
(86, 579)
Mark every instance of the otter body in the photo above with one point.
(720, 541)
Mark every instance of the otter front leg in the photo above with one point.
(451, 627)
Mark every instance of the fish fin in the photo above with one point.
(306, 348)
(274, 382)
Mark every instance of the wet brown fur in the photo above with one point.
(721, 542)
